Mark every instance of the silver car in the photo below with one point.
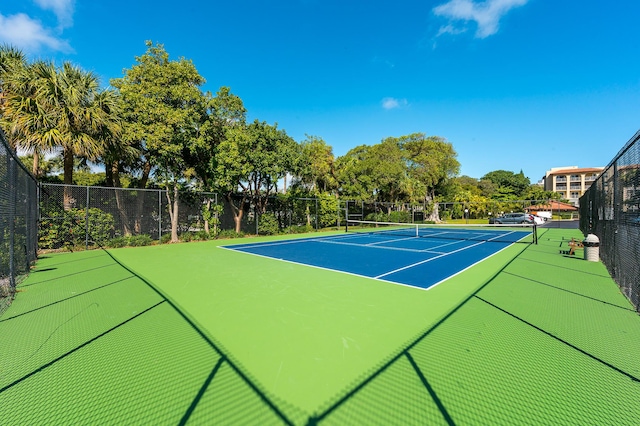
(513, 218)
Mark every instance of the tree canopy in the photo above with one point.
(156, 126)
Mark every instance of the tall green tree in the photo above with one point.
(52, 108)
(163, 110)
(354, 179)
(12, 60)
(508, 185)
(315, 169)
(250, 162)
(225, 111)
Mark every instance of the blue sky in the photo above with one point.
(512, 84)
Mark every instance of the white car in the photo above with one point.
(538, 220)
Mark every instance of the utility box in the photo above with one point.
(591, 248)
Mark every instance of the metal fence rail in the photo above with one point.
(610, 209)
(104, 216)
(18, 222)
(96, 216)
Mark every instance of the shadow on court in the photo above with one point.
(542, 341)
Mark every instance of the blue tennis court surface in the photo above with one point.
(407, 260)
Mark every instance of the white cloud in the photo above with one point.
(485, 14)
(63, 10)
(393, 103)
(28, 34)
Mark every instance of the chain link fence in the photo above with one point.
(446, 211)
(610, 209)
(18, 222)
(114, 217)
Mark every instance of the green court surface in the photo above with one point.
(192, 333)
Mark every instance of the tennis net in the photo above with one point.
(516, 233)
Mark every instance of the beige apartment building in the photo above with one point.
(571, 182)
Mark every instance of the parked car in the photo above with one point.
(513, 218)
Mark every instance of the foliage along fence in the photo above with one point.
(610, 209)
(18, 222)
(417, 212)
(116, 217)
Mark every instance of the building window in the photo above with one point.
(575, 195)
(575, 178)
(561, 179)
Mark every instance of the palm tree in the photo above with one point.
(49, 108)
(12, 61)
(21, 116)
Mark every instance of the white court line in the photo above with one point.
(377, 247)
(428, 260)
(470, 266)
(390, 241)
(442, 255)
(279, 243)
(323, 268)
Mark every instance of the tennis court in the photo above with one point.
(415, 255)
(196, 334)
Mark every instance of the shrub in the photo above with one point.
(139, 240)
(268, 224)
(118, 242)
(300, 229)
(201, 236)
(64, 228)
(229, 233)
(166, 238)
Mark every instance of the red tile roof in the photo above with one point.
(555, 206)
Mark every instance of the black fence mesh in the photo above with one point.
(450, 211)
(18, 222)
(108, 216)
(610, 209)
(114, 217)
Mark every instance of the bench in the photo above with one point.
(573, 245)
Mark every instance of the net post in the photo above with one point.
(346, 218)
(535, 233)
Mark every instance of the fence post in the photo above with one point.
(86, 223)
(12, 219)
(159, 214)
(316, 214)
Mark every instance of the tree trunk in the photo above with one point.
(108, 174)
(36, 163)
(68, 178)
(120, 203)
(238, 212)
(435, 213)
(173, 212)
(206, 219)
(146, 170)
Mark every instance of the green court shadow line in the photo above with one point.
(432, 392)
(201, 392)
(570, 292)
(68, 261)
(223, 356)
(93, 339)
(572, 346)
(66, 276)
(65, 299)
(581, 271)
(262, 395)
(319, 417)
